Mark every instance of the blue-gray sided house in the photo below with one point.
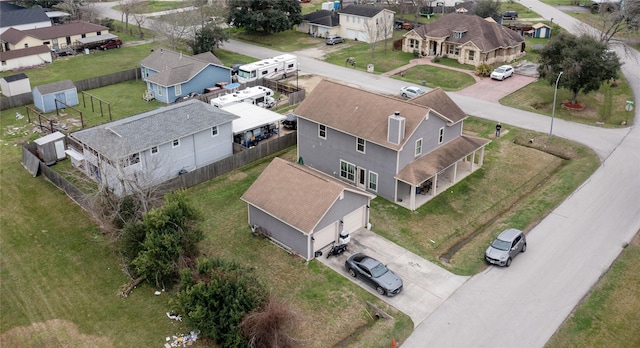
(145, 150)
(304, 210)
(406, 151)
(45, 96)
(170, 75)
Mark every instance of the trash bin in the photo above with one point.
(424, 83)
(86, 51)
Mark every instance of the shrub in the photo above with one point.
(484, 70)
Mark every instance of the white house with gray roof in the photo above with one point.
(170, 75)
(150, 148)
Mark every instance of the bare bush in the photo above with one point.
(271, 326)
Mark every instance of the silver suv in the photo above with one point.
(505, 247)
(333, 39)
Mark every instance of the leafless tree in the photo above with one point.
(385, 25)
(272, 326)
(127, 8)
(140, 19)
(373, 32)
(617, 23)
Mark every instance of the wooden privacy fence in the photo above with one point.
(32, 163)
(82, 85)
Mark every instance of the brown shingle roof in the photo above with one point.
(56, 87)
(25, 52)
(358, 112)
(64, 30)
(12, 36)
(486, 35)
(442, 104)
(428, 165)
(306, 199)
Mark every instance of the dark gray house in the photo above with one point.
(150, 148)
(405, 151)
(170, 75)
(309, 212)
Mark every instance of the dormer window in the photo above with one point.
(458, 34)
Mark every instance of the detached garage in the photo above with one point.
(45, 96)
(304, 210)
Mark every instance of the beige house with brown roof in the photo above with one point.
(467, 38)
(407, 151)
(307, 214)
(55, 37)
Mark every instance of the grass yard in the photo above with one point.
(608, 316)
(155, 6)
(604, 107)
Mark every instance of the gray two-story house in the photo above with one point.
(144, 150)
(171, 75)
(406, 151)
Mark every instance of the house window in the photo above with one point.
(322, 131)
(154, 150)
(413, 43)
(418, 147)
(458, 34)
(441, 135)
(176, 142)
(178, 90)
(26, 45)
(159, 90)
(360, 145)
(373, 181)
(347, 170)
(472, 55)
(83, 35)
(454, 50)
(135, 158)
(214, 131)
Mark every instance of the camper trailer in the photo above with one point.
(258, 95)
(271, 68)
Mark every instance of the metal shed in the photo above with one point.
(51, 148)
(45, 96)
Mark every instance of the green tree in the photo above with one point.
(268, 16)
(487, 8)
(165, 241)
(216, 297)
(207, 38)
(585, 62)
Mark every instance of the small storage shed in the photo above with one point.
(45, 96)
(51, 148)
(304, 210)
(15, 84)
(541, 30)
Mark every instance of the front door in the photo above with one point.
(362, 178)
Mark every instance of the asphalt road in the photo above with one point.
(568, 251)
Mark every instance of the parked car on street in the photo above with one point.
(333, 39)
(505, 247)
(502, 72)
(510, 15)
(411, 91)
(374, 273)
(115, 43)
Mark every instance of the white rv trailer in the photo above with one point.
(257, 95)
(273, 68)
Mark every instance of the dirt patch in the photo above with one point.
(51, 333)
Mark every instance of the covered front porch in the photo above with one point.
(428, 176)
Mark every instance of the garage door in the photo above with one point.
(325, 236)
(355, 220)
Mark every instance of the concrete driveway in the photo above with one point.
(426, 286)
(494, 90)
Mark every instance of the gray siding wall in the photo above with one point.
(429, 131)
(325, 155)
(341, 208)
(279, 231)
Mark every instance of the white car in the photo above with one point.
(502, 72)
(411, 91)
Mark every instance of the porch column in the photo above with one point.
(473, 161)
(481, 159)
(434, 187)
(455, 172)
(412, 199)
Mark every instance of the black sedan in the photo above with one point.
(374, 273)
